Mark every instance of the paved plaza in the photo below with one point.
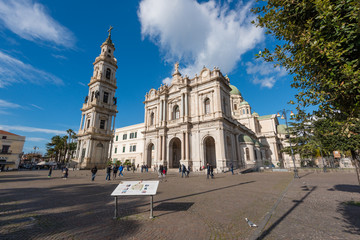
(33, 206)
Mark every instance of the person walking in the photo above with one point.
(180, 168)
(232, 168)
(208, 170)
(211, 171)
(93, 172)
(161, 168)
(133, 167)
(115, 170)
(121, 169)
(108, 172)
(65, 173)
(183, 171)
(188, 171)
(50, 171)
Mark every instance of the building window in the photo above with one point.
(131, 135)
(124, 136)
(123, 149)
(5, 149)
(243, 111)
(247, 111)
(115, 150)
(255, 154)
(207, 106)
(92, 96)
(224, 104)
(109, 51)
(151, 119)
(135, 135)
(176, 112)
(117, 137)
(133, 148)
(88, 125)
(235, 107)
(152, 147)
(102, 124)
(3, 137)
(106, 97)
(247, 154)
(108, 73)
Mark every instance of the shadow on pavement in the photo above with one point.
(171, 207)
(304, 175)
(297, 203)
(84, 212)
(347, 188)
(351, 215)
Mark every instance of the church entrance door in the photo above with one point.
(150, 154)
(210, 155)
(175, 153)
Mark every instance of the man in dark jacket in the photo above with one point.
(93, 171)
(108, 172)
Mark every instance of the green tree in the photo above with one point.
(319, 45)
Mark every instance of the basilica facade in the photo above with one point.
(205, 120)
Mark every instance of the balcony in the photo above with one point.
(5, 152)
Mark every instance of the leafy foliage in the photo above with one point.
(320, 48)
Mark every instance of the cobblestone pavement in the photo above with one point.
(33, 206)
(315, 207)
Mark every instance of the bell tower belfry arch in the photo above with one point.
(99, 110)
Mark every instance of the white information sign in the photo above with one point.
(127, 188)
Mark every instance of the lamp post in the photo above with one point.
(283, 116)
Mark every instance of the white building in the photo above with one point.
(98, 111)
(129, 144)
(203, 120)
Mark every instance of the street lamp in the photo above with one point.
(283, 116)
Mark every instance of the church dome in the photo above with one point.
(244, 103)
(245, 139)
(255, 114)
(234, 90)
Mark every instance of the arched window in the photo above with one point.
(108, 73)
(243, 111)
(235, 107)
(207, 106)
(151, 119)
(176, 112)
(247, 111)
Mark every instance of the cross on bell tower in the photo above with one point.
(99, 111)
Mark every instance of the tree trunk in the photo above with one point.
(356, 162)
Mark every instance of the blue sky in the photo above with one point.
(47, 49)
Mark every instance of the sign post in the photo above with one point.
(135, 188)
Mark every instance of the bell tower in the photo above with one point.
(99, 110)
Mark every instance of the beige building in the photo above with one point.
(11, 150)
(206, 120)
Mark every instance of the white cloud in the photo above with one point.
(199, 34)
(6, 104)
(31, 21)
(82, 84)
(265, 82)
(167, 81)
(36, 106)
(31, 129)
(265, 73)
(36, 139)
(13, 71)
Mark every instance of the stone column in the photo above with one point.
(81, 122)
(187, 149)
